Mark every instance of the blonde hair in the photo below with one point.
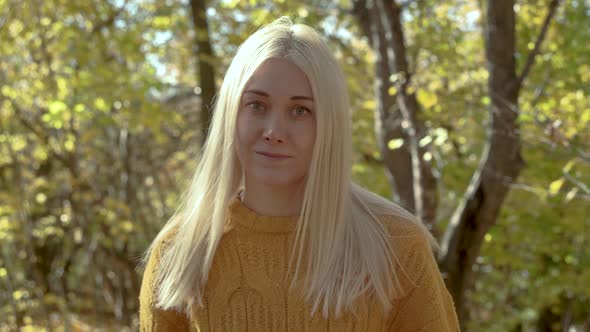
(339, 230)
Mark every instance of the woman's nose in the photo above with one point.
(275, 129)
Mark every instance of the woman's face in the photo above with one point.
(276, 125)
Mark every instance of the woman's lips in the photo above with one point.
(273, 155)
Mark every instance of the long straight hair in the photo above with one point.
(340, 229)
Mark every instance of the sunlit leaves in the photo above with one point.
(395, 143)
(555, 186)
(83, 123)
(426, 99)
(71, 82)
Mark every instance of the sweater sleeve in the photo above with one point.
(428, 305)
(153, 319)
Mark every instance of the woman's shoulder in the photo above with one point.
(161, 243)
(400, 225)
(412, 248)
(151, 263)
(405, 228)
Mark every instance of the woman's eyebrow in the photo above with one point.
(258, 92)
(301, 97)
(265, 94)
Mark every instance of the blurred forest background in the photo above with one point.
(473, 114)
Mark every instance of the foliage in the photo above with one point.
(100, 131)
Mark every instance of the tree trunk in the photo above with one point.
(501, 160)
(398, 113)
(388, 119)
(205, 62)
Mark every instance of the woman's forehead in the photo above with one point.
(279, 76)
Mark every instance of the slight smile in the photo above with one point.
(274, 155)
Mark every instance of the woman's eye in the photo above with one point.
(301, 111)
(256, 106)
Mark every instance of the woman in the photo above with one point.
(272, 235)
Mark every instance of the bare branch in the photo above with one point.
(578, 183)
(531, 58)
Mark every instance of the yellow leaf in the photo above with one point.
(571, 194)
(79, 108)
(395, 143)
(69, 144)
(555, 186)
(161, 22)
(62, 87)
(65, 219)
(425, 141)
(57, 106)
(40, 198)
(441, 136)
(303, 12)
(39, 152)
(18, 144)
(17, 295)
(426, 98)
(77, 235)
(394, 77)
(15, 28)
(569, 166)
(127, 226)
(370, 104)
(100, 104)
(392, 90)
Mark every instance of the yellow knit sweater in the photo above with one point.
(246, 292)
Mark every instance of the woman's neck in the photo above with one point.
(272, 202)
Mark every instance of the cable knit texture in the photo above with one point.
(246, 291)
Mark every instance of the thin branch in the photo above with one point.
(579, 183)
(531, 58)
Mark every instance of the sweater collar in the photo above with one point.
(242, 215)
